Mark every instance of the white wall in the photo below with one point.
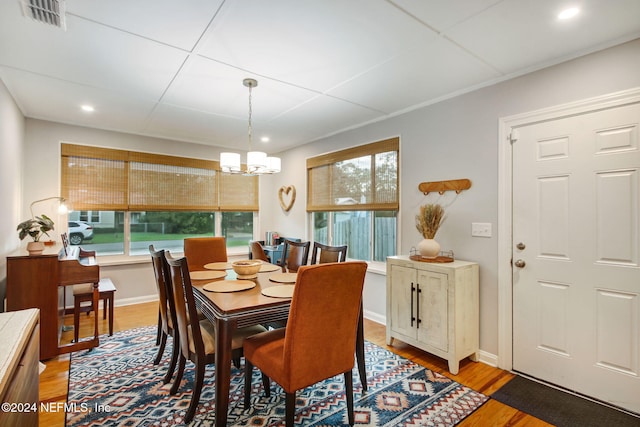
(12, 126)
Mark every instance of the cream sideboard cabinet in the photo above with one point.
(435, 307)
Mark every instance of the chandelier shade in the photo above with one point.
(258, 163)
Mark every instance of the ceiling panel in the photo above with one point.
(521, 34)
(176, 23)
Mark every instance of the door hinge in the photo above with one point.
(513, 135)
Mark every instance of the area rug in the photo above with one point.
(558, 407)
(117, 384)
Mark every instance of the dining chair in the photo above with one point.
(323, 318)
(196, 337)
(325, 253)
(257, 252)
(203, 250)
(166, 309)
(322, 254)
(294, 255)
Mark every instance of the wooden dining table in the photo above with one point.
(229, 311)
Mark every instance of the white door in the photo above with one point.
(576, 272)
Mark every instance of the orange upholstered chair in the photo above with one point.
(257, 251)
(204, 250)
(294, 255)
(323, 319)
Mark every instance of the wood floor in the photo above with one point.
(478, 376)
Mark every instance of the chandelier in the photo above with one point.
(257, 161)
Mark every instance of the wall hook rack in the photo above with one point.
(456, 185)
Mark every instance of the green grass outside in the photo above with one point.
(146, 237)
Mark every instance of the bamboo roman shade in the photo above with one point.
(359, 178)
(107, 179)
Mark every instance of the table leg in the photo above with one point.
(224, 331)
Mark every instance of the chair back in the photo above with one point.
(324, 253)
(163, 287)
(294, 255)
(203, 250)
(257, 252)
(323, 318)
(185, 305)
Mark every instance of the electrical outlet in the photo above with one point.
(481, 229)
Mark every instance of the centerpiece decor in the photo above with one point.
(35, 227)
(428, 222)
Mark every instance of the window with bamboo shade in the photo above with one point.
(352, 196)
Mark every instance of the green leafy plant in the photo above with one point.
(35, 227)
(429, 219)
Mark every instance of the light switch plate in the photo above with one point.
(481, 229)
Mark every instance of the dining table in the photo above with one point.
(229, 309)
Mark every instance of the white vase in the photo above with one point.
(429, 248)
(35, 248)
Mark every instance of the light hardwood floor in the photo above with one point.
(478, 376)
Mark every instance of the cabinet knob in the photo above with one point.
(521, 246)
(520, 263)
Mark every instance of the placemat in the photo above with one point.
(207, 275)
(280, 291)
(229, 286)
(283, 277)
(266, 267)
(218, 266)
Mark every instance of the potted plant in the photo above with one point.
(428, 222)
(35, 227)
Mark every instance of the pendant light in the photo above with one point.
(258, 163)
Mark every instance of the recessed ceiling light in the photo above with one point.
(265, 139)
(568, 13)
(88, 108)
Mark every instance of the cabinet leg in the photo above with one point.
(454, 366)
(474, 357)
(389, 340)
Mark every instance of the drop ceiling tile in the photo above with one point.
(315, 45)
(408, 80)
(518, 34)
(61, 101)
(175, 23)
(213, 87)
(197, 126)
(443, 14)
(91, 55)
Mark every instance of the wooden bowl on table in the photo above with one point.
(247, 268)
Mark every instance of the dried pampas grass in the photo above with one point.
(429, 220)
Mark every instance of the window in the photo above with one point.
(352, 196)
(144, 199)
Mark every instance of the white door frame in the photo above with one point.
(505, 219)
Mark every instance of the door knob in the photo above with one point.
(520, 263)
(520, 246)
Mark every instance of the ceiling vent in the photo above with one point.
(49, 12)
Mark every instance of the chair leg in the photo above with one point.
(362, 368)
(197, 390)
(175, 351)
(160, 331)
(111, 315)
(248, 372)
(266, 385)
(290, 408)
(163, 342)
(176, 383)
(348, 383)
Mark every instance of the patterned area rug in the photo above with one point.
(118, 385)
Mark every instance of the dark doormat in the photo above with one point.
(558, 407)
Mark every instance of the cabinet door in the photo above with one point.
(402, 300)
(433, 309)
